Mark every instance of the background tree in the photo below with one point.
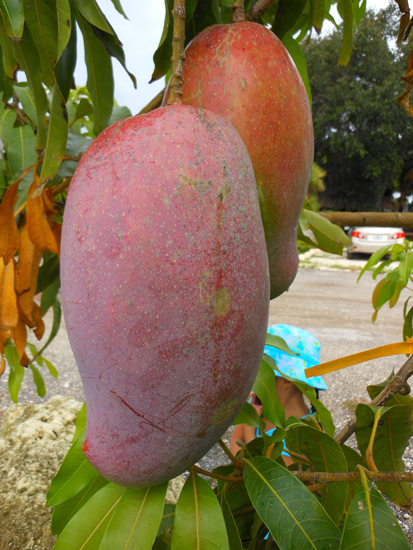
(362, 137)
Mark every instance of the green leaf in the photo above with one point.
(64, 26)
(167, 518)
(324, 415)
(114, 48)
(99, 76)
(9, 61)
(248, 415)
(370, 523)
(408, 323)
(84, 108)
(26, 54)
(80, 422)
(325, 455)
(21, 150)
(52, 369)
(237, 497)
(16, 374)
(380, 268)
(57, 315)
(41, 18)
(7, 119)
(353, 459)
(347, 44)
(49, 296)
(264, 387)
(162, 56)
(63, 512)
(38, 380)
(288, 508)
(288, 13)
(136, 518)
(13, 17)
(48, 273)
(319, 14)
(392, 437)
(74, 474)
(203, 16)
(330, 238)
(27, 100)
(56, 137)
(199, 522)
(67, 62)
(388, 289)
(232, 529)
(92, 13)
(406, 267)
(374, 259)
(119, 113)
(87, 528)
(279, 343)
(119, 8)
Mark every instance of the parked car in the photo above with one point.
(366, 240)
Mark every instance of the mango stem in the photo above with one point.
(178, 53)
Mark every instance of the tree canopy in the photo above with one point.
(362, 137)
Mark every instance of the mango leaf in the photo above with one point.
(406, 267)
(74, 474)
(40, 232)
(347, 44)
(56, 138)
(353, 459)
(114, 48)
(398, 399)
(7, 120)
(203, 16)
(84, 108)
(408, 322)
(48, 273)
(119, 8)
(27, 100)
(9, 234)
(119, 113)
(199, 522)
(167, 518)
(67, 61)
(80, 422)
(232, 529)
(99, 76)
(279, 343)
(297, 54)
(49, 296)
(325, 455)
(392, 437)
(318, 15)
(136, 518)
(162, 542)
(264, 387)
(41, 18)
(13, 17)
(237, 497)
(16, 374)
(287, 15)
(63, 512)
(370, 523)
(92, 13)
(380, 268)
(26, 274)
(162, 56)
(387, 289)
(10, 64)
(329, 237)
(27, 56)
(21, 150)
(64, 26)
(87, 528)
(39, 382)
(288, 508)
(57, 316)
(248, 415)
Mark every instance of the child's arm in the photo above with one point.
(237, 435)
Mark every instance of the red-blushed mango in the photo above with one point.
(244, 73)
(165, 289)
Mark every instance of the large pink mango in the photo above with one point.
(165, 290)
(244, 73)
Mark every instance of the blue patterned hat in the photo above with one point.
(302, 342)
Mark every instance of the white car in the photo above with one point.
(366, 240)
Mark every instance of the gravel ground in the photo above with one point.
(326, 301)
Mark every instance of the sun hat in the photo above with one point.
(302, 342)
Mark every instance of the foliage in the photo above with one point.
(362, 137)
(256, 498)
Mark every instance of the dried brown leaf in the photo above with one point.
(40, 326)
(9, 315)
(40, 231)
(403, 5)
(26, 274)
(405, 26)
(9, 234)
(19, 335)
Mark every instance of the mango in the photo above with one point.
(165, 289)
(244, 73)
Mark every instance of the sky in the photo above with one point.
(140, 37)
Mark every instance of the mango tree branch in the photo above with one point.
(258, 9)
(372, 219)
(238, 13)
(333, 477)
(233, 479)
(395, 384)
(236, 462)
(154, 103)
(178, 55)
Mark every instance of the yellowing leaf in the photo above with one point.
(40, 231)
(19, 335)
(26, 274)
(37, 316)
(9, 315)
(376, 291)
(9, 234)
(382, 351)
